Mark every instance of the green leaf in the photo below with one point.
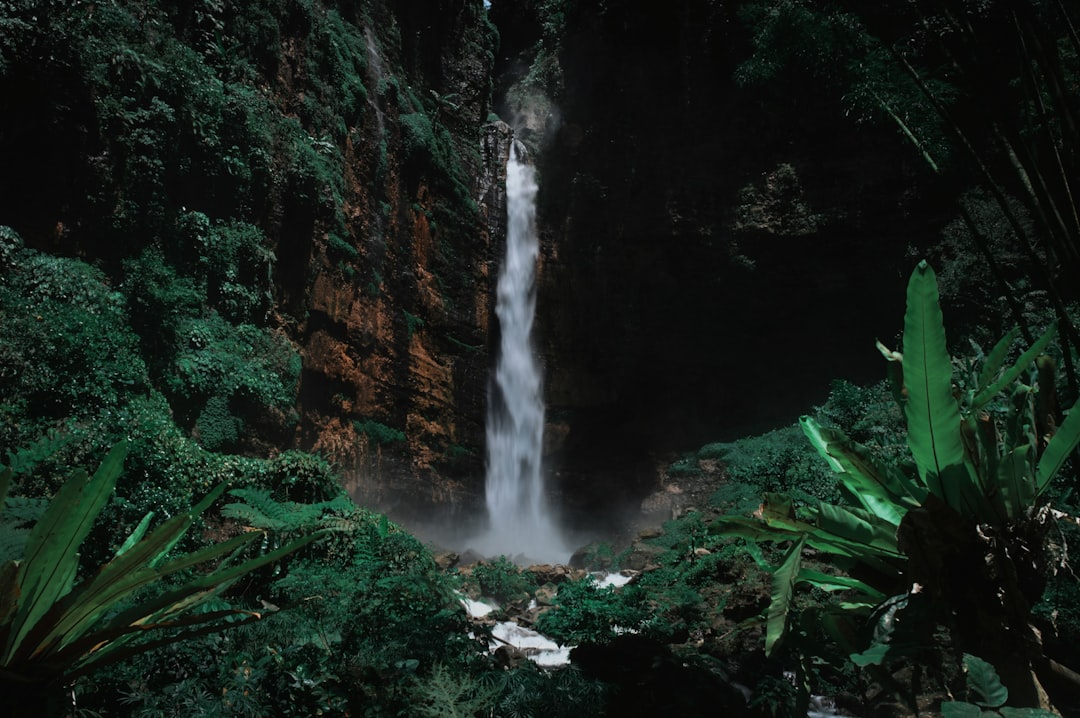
(858, 526)
(163, 610)
(1012, 373)
(48, 569)
(755, 553)
(1058, 449)
(783, 585)
(995, 359)
(983, 681)
(1016, 480)
(873, 656)
(956, 709)
(136, 535)
(9, 590)
(933, 415)
(884, 491)
(839, 583)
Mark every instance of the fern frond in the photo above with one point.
(12, 542)
(251, 516)
(339, 524)
(23, 509)
(262, 511)
(23, 459)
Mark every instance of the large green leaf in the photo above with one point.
(166, 610)
(995, 360)
(983, 681)
(848, 532)
(1012, 373)
(958, 709)
(116, 581)
(783, 585)
(1016, 481)
(839, 583)
(857, 526)
(932, 412)
(48, 569)
(128, 572)
(883, 491)
(1058, 449)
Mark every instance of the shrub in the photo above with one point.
(778, 461)
(585, 611)
(216, 358)
(502, 580)
(65, 347)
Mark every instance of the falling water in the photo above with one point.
(521, 525)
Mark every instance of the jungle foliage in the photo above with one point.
(957, 536)
(980, 94)
(146, 306)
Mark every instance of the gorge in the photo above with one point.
(555, 280)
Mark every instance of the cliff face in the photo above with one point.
(396, 336)
(315, 179)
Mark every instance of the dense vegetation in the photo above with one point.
(171, 169)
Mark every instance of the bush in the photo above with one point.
(365, 629)
(215, 358)
(502, 580)
(585, 611)
(778, 461)
(67, 356)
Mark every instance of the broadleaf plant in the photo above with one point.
(53, 630)
(949, 531)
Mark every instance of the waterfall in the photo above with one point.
(521, 525)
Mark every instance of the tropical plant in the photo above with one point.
(502, 580)
(53, 630)
(957, 535)
(585, 611)
(988, 695)
(996, 113)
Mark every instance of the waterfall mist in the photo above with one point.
(521, 523)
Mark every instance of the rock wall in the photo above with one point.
(396, 337)
(332, 164)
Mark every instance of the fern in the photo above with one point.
(445, 695)
(23, 510)
(18, 515)
(12, 542)
(261, 511)
(23, 460)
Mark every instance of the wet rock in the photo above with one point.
(509, 657)
(650, 532)
(594, 557)
(446, 560)
(545, 595)
(641, 557)
(548, 573)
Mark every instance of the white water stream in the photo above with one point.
(521, 524)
